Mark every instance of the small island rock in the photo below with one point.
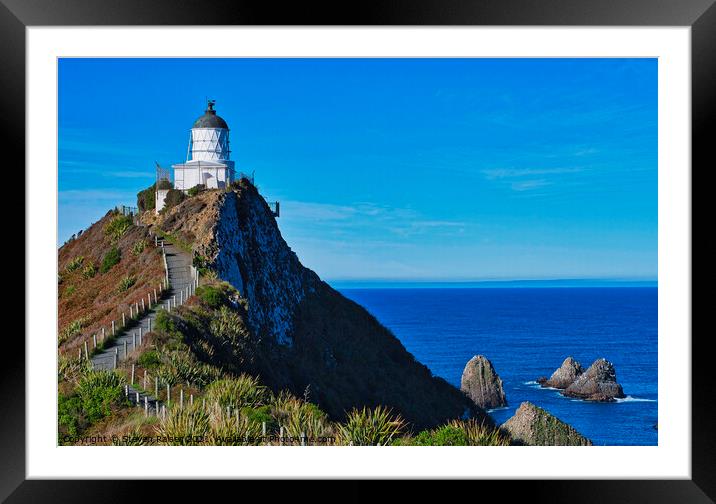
(531, 425)
(598, 383)
(563, 377)
(481, 383)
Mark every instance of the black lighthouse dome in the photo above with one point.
(210, 119)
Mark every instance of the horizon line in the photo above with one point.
(515, 283)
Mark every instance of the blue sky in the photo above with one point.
(393, 169)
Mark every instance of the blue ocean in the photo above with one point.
(527, 333)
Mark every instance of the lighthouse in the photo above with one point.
(208, 162)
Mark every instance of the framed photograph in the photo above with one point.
(417, 242)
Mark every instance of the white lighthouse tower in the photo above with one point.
(207, 162)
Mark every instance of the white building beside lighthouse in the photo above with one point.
(207, 161)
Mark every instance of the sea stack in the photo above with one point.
(563, 377)
(481, 383)
(598, 383)
(531, 425)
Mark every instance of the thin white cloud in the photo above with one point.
(501, 173)
(528, 185)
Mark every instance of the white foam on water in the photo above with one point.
(634, 399)
(498, 409)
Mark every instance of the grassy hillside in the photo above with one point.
(108, 267)
(202, 350)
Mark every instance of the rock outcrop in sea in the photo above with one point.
(531, 425)
(563, 377)
(308, 336)
(481, 383)
(598, 383)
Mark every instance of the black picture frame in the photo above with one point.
(700, 15)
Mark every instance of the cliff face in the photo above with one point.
(312, 340)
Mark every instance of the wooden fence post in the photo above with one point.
(142, 305)
(263, 428)
(132, 380)
(181, 398)
(149, 325)
(155, 296)
(146, 406)
(130, 311)
(191, 399)
(144, 380)
(126, 391)
(156, 387)
(103, 334)
(168, 393)
(164, 412)
(124, 322)
(116, 350)
(140, 335)
(181, 296)
(86, 352)
(136, 308)
(113, 328)
(125, 349)
(137, 398)
(79, 354)
(94, 341)
(149, 300)
(134, 340)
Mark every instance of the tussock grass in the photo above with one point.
(185, 427)
(370, 427)
(236, 393)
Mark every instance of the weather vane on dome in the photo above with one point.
(210, 104)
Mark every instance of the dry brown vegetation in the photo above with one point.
(89, 299)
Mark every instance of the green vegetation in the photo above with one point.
(112, 257)
(146, 199)
(164, 322)
(236, 393)
(458, 433)
(73, 329)
(195, 190)
(202, 348)
(149, 359)
(371, 427)
(89, 271)
(216, 295)
(185, 426)
(173, 198)
(126, 283)
(94, 397)
(138, 247)
(228, 325)
(117, 226)
(181, 366)
(74, 264)
(69, 290)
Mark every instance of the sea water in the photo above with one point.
(527, 333)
